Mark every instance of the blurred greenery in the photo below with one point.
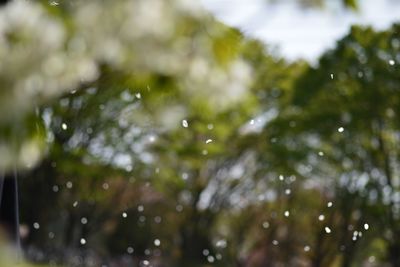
(184, 143)
(351, 4)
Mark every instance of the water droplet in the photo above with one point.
(210, 126)
(83, 241)
(281, 177)
(208, 141)
(321, 217)
(210, 259)
(185, 123)
(55, 188)
(275, 242)
(130, 250)
(138, 96)
(157, 219)
(328, 230)
(75, 204)
(51, 235)
(340, 129)
(185, 176)
(84, 220)
(391, 62)
(307, 248)
(332, 76)
(287, 213)
(64, 126)
(124, 215)
(265, 225)
(288, 191)
(221, 243)
(206, 252)
(69, 184)
(179, 208)
(152, 138)
(140, 208)
(366, 226)
(157, 242)
(320, 153)
(36, 225)
(329, 204)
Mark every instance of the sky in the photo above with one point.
(301, 33)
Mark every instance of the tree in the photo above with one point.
(345, 131)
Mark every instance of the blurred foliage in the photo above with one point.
(50, 49)
(193, 146)
(351, 4)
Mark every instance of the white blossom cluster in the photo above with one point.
(44, 55)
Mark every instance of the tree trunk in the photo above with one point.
(9, 216)
(394, 254)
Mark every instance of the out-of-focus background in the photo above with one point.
(200, 133)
